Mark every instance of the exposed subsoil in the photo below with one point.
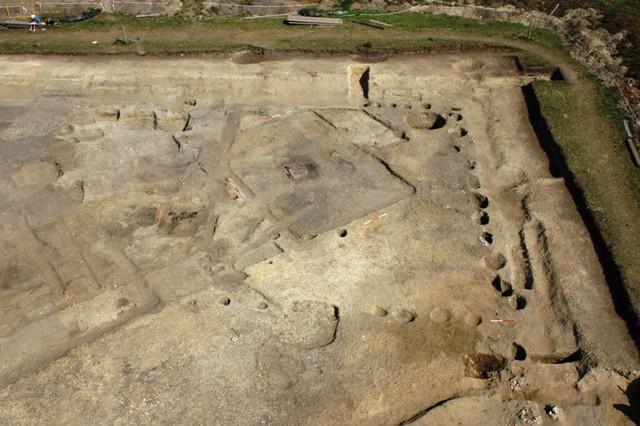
(295, 241)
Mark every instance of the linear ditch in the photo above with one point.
(558, 168)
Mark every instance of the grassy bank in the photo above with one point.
(181, 34)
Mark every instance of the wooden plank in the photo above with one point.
(314, 20)
(634, 151)
(21, 24)
(279, 15)
(381, 23)
(310, 20)
(626, 127)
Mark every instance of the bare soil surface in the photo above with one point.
(307, 241)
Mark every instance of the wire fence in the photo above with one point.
(258, 6)
(25, 9)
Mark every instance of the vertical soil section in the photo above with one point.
(364, 83)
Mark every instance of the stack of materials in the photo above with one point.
(20, 24)
(311, 20)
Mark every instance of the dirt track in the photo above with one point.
(201, 241)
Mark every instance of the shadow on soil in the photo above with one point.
(632, 411)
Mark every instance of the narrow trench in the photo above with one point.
(396, 175)
(560, 359)
(528, 271)
(557, 75)
(425, 411)
(553, 72)
(558, 168)
(364, 83)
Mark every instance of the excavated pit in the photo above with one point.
(305, 241)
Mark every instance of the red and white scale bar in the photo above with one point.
(236, 188)
(372, 220)
(503, 321)
(278, 115)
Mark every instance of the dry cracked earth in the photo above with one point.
(304, 240)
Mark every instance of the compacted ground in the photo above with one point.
(314, 241)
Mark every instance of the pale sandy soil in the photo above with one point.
(199, 241)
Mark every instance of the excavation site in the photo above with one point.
(297, 240)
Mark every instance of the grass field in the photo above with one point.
(583, 117)
(181, 34)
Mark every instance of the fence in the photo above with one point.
(22, 10)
